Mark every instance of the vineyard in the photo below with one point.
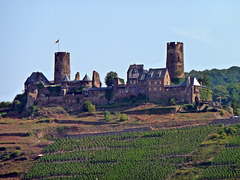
(227, 163)
(134, 155)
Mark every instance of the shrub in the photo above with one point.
(88, 107)
(17, 153)
(190, 107)
(171, 101)
(222, 112)
(214, 136)
(107, 116)
(123, 117)
(118, 115)
(236, 112)
(32, 110)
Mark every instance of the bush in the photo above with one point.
(190, 107)
(123, 117)
(32, 110)
(118, 115)
(17, 153)
(107, 116)
(88, 107)
(222, 112)
(214, 136)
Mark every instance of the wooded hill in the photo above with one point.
(225, 83)
(218, 76)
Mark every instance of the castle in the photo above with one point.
(154, 84)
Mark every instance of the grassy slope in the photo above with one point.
(33, 145)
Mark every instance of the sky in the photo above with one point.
(109, 35)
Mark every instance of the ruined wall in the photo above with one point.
(175, 60)
(62, 66)
(96, 80)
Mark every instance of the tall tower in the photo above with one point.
(62, 66)
(175, 60)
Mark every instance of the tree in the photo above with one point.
(88, 107)
(206, 81)
(109, 94)
(223, 92)
(109, 79)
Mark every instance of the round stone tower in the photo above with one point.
(62, 66)
(175, 60)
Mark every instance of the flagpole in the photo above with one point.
(58, 46)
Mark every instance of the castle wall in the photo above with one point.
(175, 60)
(62, 66)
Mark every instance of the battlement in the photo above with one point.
(174, 44)
(62, 53)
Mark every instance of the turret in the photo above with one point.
(62, 66)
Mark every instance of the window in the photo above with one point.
(155, 89)
(152, 82)
(149, 89)
(149, 82)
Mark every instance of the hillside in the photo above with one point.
(21, 140)
(219, 76)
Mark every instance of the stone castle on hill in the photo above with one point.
(153, 83)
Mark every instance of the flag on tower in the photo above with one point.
(57, 41)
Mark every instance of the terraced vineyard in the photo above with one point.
(135, 155)
(227, 163)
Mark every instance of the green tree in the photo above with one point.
(205, 80)
(223, 92)
(88, 107)
(107, 116)
(109, 94)
(109, 79)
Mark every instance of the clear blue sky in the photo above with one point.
(105, 35)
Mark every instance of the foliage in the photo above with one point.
(5, 104)
(107, 116)
(123, 117)
(109, 94)
(17, 153)
(190, 107)
(171, 101)
(218, 77)
(222, 112)
(118, 115)
(32, 110)
(206, 94)
(20, 102)
(133, 155)
(226, 164)
(177, 80)
(109, 79)
(206, 80)
(88, 107)
(223, 92)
